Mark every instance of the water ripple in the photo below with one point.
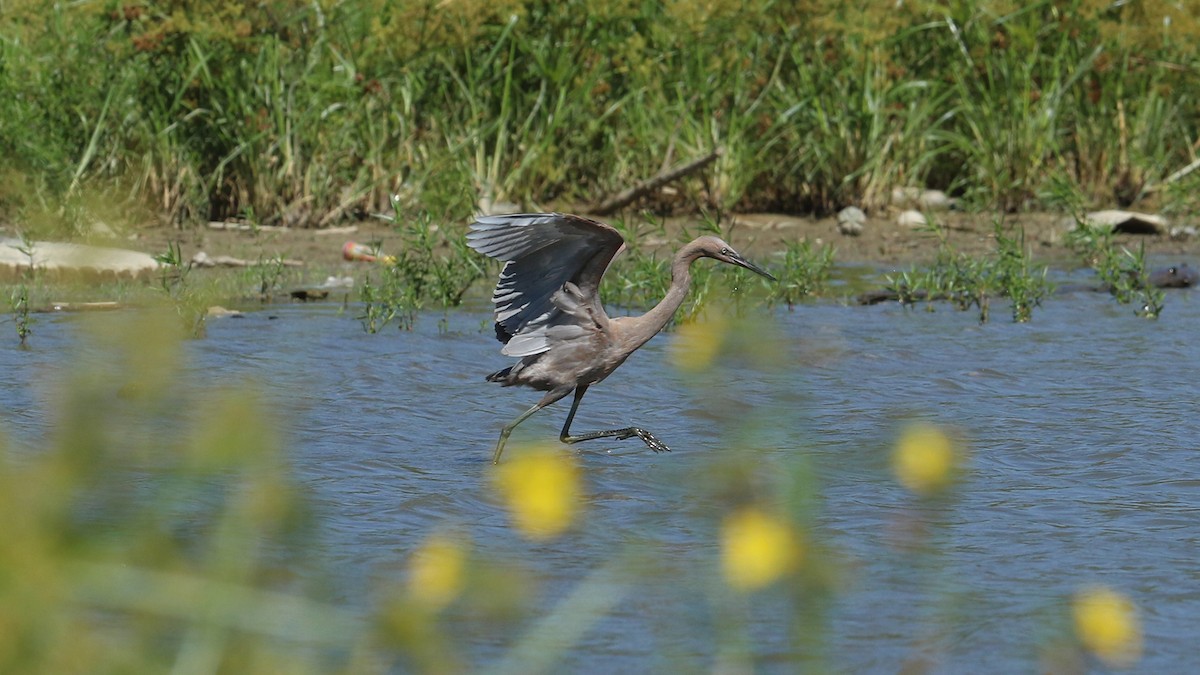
(1081, 427)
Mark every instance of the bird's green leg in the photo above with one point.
(619, 434)
(546, 400)
(504, 433)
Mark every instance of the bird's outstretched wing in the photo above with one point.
(543, 252)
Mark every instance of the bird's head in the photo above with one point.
(716, 248)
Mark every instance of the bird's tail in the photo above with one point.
(500, 375)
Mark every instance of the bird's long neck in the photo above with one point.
(649, 324)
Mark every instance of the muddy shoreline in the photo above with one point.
(882, 244)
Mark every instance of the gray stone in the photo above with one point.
(850, 228)
(850, 221)
(852, 214)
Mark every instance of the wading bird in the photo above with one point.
(548, 309)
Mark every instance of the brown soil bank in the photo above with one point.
(883, 242)
(886, 243)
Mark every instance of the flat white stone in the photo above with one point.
(57, 256)
(1128, 221)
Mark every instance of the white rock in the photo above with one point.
(929, 200)
(1180, 232)
(935, 200)
(1128, 221)
(905, 195)
(911, 219)
(56, 256)
(217, 312)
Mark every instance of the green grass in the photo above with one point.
(307, 114)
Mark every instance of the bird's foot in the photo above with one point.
(620, 434)
(647, 438)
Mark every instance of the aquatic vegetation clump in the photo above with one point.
(387, 300)
(803, 272)
(431, 266)
(1023, 283)
(641, 274)
(18, 298)
(18, 302)
(190, 301)
(270, 273)
(434, 261)
(968, 282)
(1121, 271)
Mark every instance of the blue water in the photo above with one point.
(1081, 426)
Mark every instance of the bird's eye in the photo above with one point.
(725, 251)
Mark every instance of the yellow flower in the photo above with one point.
(1106, 622)
(757, 549)
(435, 576)
(541, 489)
(697, 344)
(925, 459)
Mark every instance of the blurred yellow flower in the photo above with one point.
(697, 344)
(925, 459)
(1106, 622)
(757, 549)
(436, 571)
(541, 490)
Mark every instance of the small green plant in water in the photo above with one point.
(435, 264)
(1024, 287)
(430, 266)
(391, 299)
(1150, 298)
(270, 272)
(1122, 272)
(19, 298)
(19, 302)
(173, 281)
(805, 272)
(968, 282)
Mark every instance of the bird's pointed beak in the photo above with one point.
(738, 260)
